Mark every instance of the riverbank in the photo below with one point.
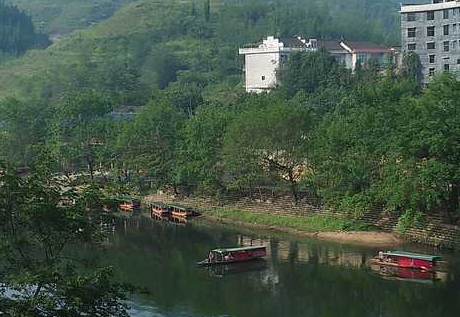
(323, 227)
(319, 225)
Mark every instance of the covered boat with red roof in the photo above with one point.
(232, 255)
(405, 259)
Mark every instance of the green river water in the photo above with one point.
(304, 278)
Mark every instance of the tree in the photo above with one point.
(148, 144)
(80, 131)
(23, 130)
(352, 143)
(185, 96)
(41, 275)
(309, 71)
(423, 174)
(17, 32)
(269, 143)
(207, 10)
(411, 67)
(199, 166)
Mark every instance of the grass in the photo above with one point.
(312, 223)
(64, 16)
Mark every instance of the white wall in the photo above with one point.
(259, 65)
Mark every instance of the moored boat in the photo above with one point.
(129, 204)
(233, 255)
(160, 209)
(405, 259)
(182, 212)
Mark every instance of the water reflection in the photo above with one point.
(300, 278)
(409, 275)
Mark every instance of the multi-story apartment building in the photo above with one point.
(263, 60)
(432, 31)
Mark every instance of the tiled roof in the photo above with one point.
(330, 45)
(365, 47)
(292, 42)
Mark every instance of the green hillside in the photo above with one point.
(63, 16)
(148, 44)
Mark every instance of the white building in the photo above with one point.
(263, 60)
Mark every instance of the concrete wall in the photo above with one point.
(434, 230)
(260, 71)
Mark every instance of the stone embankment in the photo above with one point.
(434, 230)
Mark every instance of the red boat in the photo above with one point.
(225, 256)
(407, 260)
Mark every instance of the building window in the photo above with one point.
(411, 16)
(445, 14)
(411, 32)
(411, 47)
(431, 72)
(458, 61)
(454, 45)
(430, 31)
(430, 15)
(263, 77)
(454, 28)
(446, 67)
(446, 29)
(446, 46)
(432, 59)
(431, 45)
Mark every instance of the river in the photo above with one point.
(301, 277)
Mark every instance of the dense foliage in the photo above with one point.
(41, 272)
(17, 32)
(356, 139)
(149, 44)
(58, 17)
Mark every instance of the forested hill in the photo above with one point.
(17, 32)
(57, 17)
(151, 43)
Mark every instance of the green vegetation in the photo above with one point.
(57, 17)
(322, 223)
(149, 44)
(41, 272)
(17, 33)
(357, 140)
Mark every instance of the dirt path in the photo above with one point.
(363, 238)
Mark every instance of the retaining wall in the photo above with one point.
(432, 231)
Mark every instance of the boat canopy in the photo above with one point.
(160, 205)
(181, 208)
(412, 255)
(128, 199)
(238, 249)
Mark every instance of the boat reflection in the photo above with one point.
(408, 274)
(237, 268)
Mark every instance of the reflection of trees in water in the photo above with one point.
(297, 282)
(293, 251)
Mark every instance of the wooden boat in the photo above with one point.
(233, 255)
(182, 212)
(129, 204)
(407, 260)
(160, 209)
(407, 274)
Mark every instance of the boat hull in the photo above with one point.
(216, 263)
(407, 263)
